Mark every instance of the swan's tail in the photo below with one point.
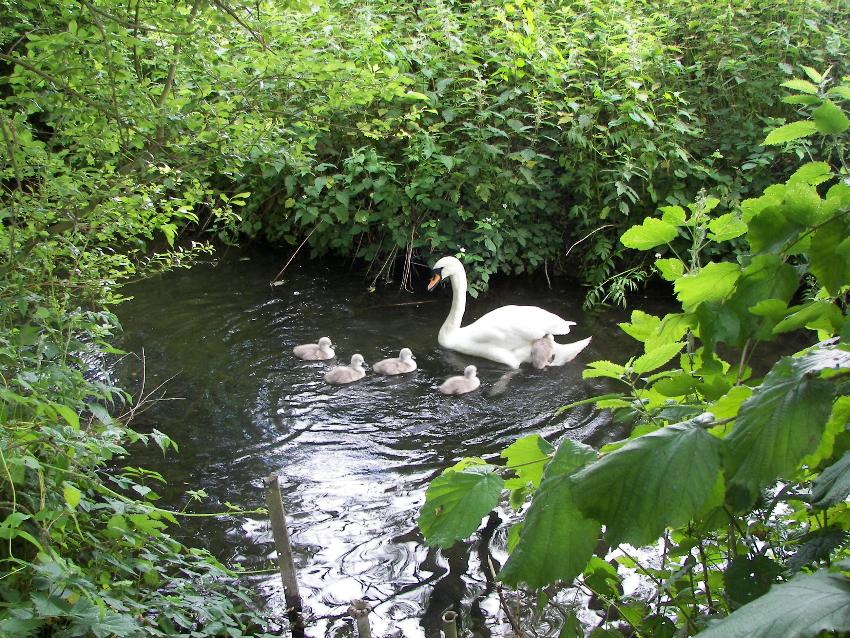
(566, 352)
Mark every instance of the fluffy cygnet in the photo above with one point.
(347, 374)
(461, 385)
(315, 351)
(543, 351)
(399, 365)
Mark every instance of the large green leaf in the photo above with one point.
(816, 546)
(818, 314)
(826, 261)
(747, 578)
(833, 484)
(527, 457)
(603, 368)
(836, 427)
(718, 323)
(772, 196)
(670, 268)
(804, 606)
(673, 327)
(766, 277)
(744, 314)
(651, 233)
(642, 325)
(726, 227)
(711, 283)
(792, 131)
(804, 86)
(783, 421)
(771, 230)
(813, 173)
(657, 480)
(656, 357)
(830, 119)
(802, 203)
(456, 501)
(556, 540)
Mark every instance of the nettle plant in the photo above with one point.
(739, 481)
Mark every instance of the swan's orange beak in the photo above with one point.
(434, 281)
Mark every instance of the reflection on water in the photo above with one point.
(355, 460)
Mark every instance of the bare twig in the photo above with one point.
(229, 10)
(514, 624)
(169, 80)
(130, 25)
(286, 265)
(7, 140)
(596, 230)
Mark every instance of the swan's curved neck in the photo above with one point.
(452, 322)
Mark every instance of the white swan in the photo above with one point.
(347, 374)
(504, 335)
(461, 385)
(315, 351)
(399, 365)
(543, 352)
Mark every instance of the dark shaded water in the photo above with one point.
(354, 461)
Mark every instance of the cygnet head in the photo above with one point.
(356, 360)
(324, 343)
(470, 371)
(405, 354)
(443, 269)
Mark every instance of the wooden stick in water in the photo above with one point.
(449, 624)
(284, 553)
(359, 610)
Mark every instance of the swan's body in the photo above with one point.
(461, 385)
(399, 365)
(543, 352)
(347, 374)
(505, 335)
(315, 351)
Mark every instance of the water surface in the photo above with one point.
(354, 461)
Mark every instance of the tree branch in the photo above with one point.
(169, 80)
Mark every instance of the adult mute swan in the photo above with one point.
(315, 351)
(347, 374)
(461, 385)
(399, 365)
(505, 335)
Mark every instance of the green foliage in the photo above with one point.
(782, 421)
(806, 605)
(744, 477)
(521, 135)
(457, 501)
(100, 185)
(640, 489)
(556, 540)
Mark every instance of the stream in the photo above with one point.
(214, 344)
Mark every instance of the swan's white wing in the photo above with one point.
(516, 326)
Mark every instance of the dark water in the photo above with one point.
(354, 461)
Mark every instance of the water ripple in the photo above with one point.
(355, 460)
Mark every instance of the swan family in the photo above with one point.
(506, 335)
(510, 335)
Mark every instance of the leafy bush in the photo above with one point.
(518, 133)
(85, 549)
(742, 477)
(529, 134)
